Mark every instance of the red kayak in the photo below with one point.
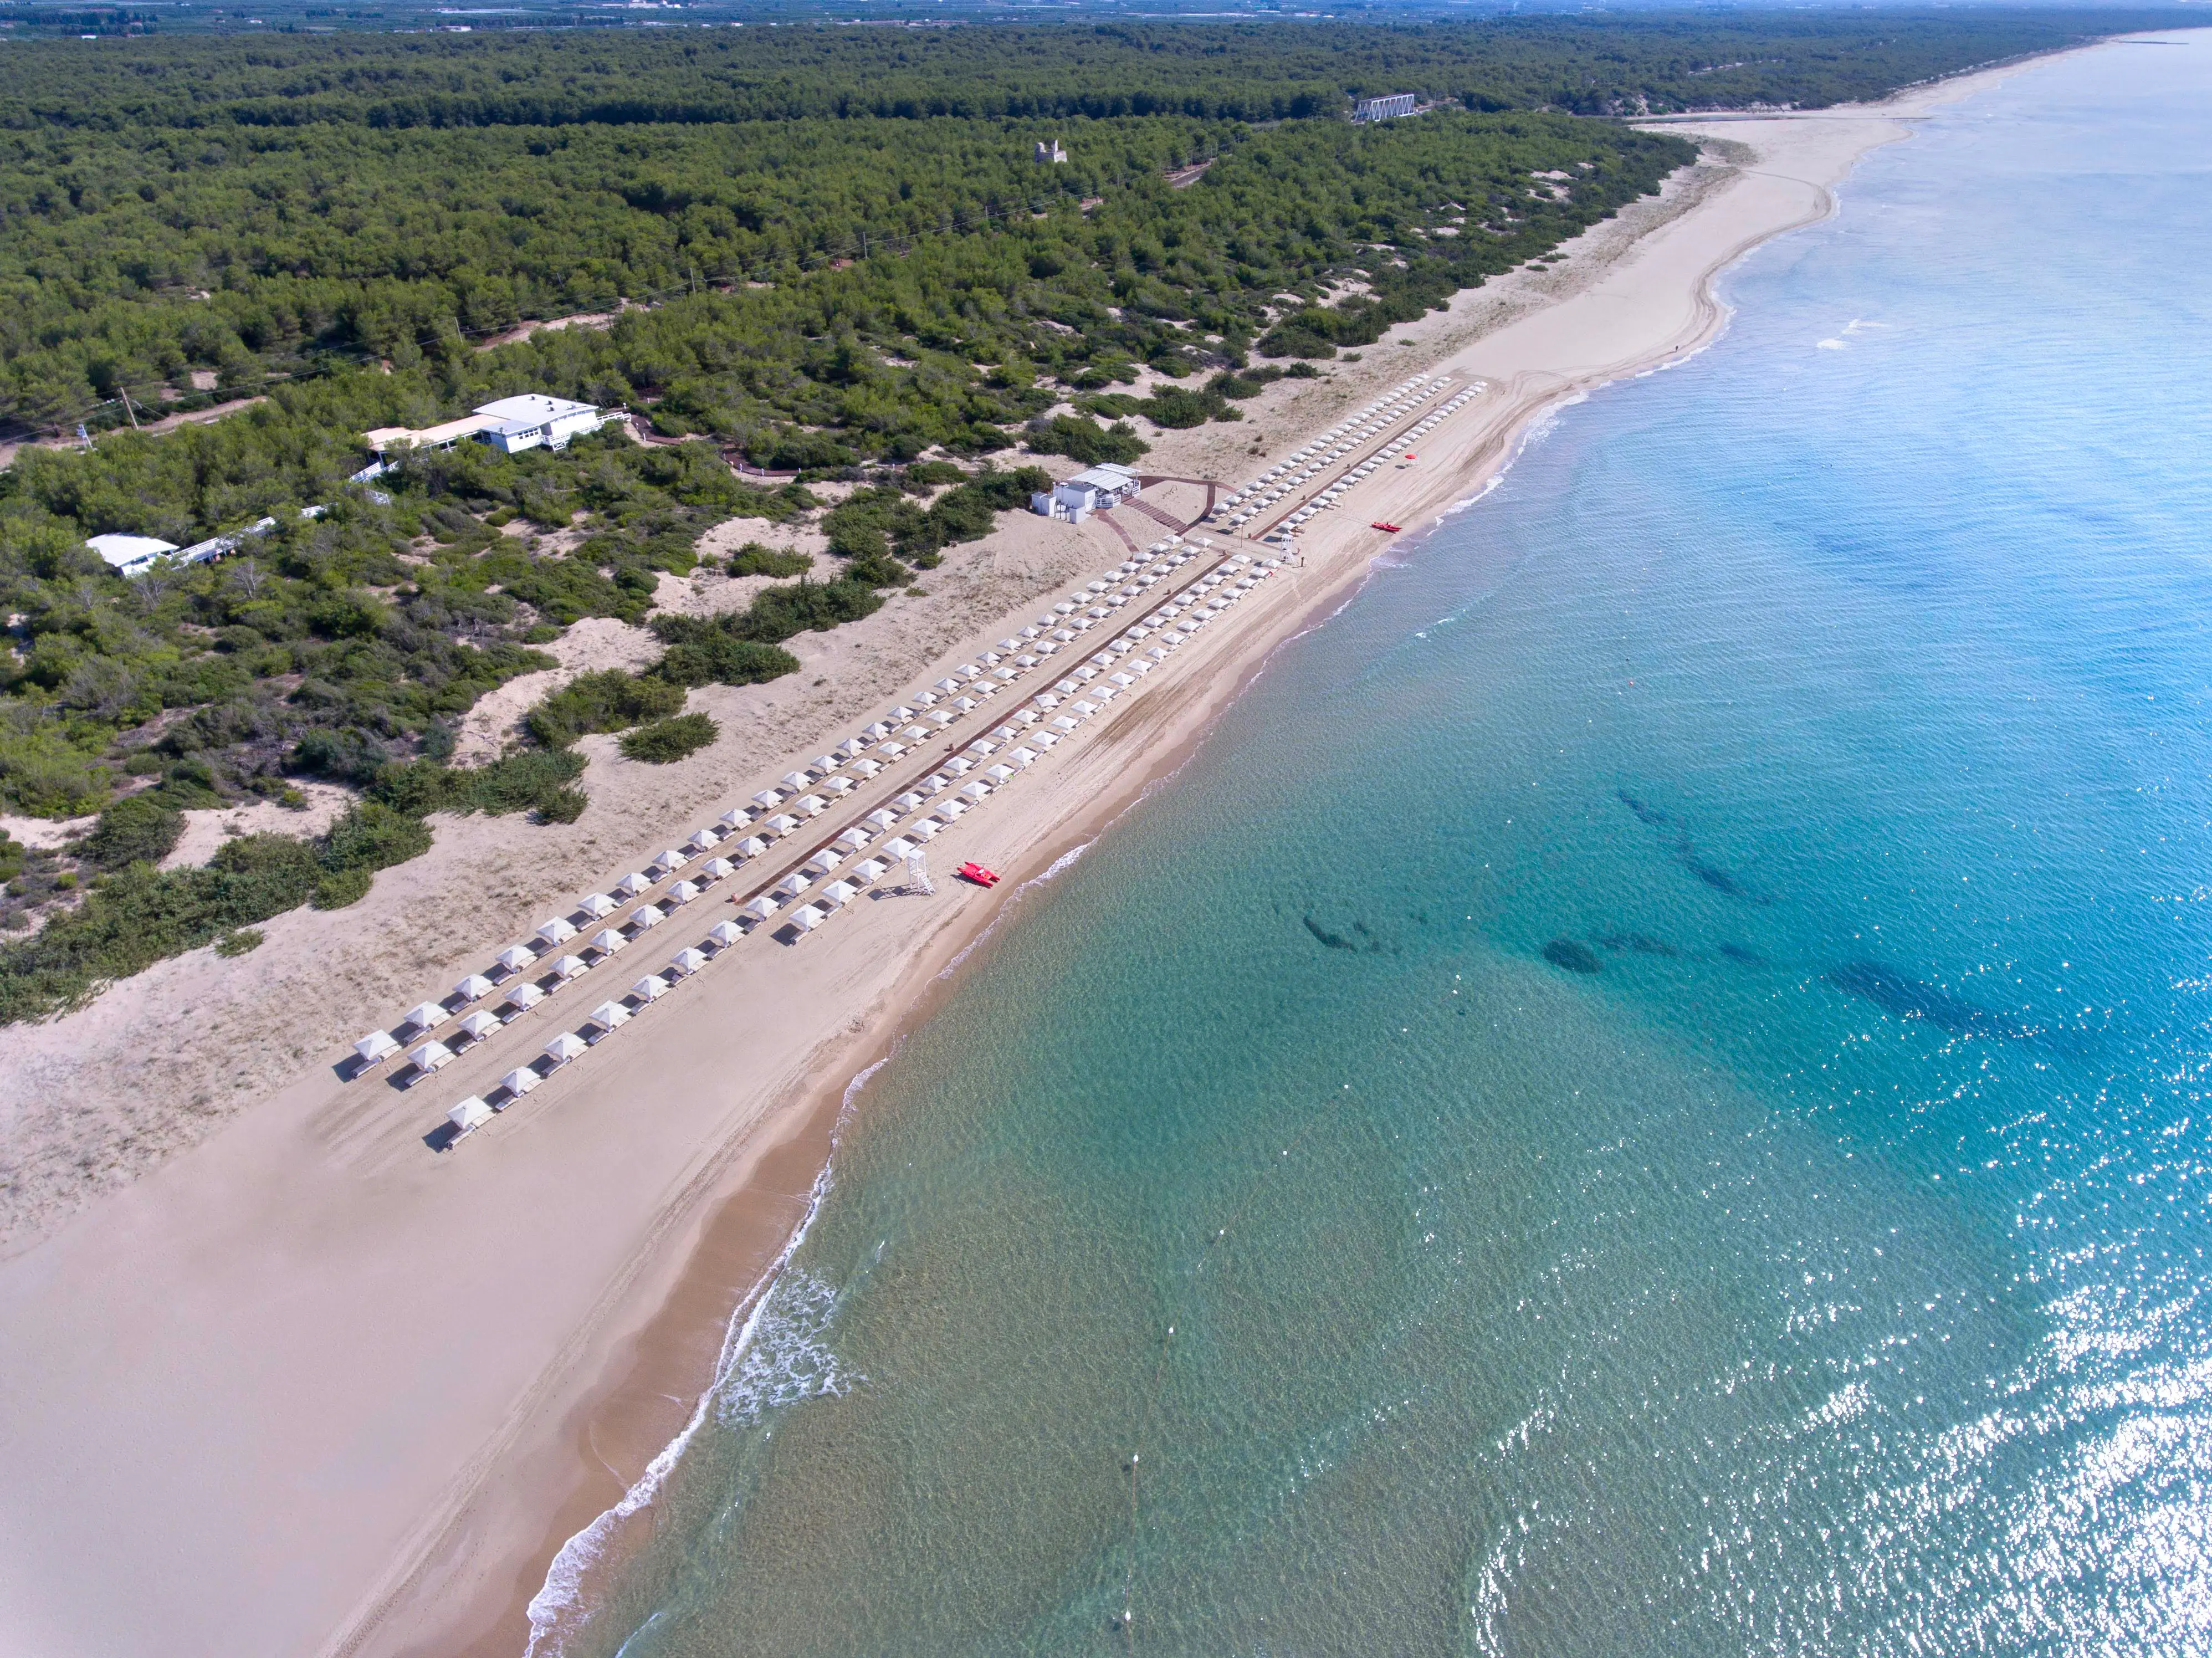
(979, 875)
(1380, 525)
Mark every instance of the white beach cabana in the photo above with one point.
(723, 934)
(474, 988)
(796, 782)
(839, 894)
(1000, 774)
(557, 932)
(977, 792)
(597, 905)
(881, 817)
(376, 1047)
(478, 1026)
(471, 1114)
(898, 846)
(636, 884)
(854, 838)
(781, 824)
(650, 915)
(431, 1056)
(764, 906)
(682, 893)
(522, 999)
(926, 828)
(519, 1082)
(571, 968)
(806, 918)
(730, 821)
(810, 805)
(424, 1016)
(686, 961)
(670, 861)
(825, 860)
(609, 1018)
(607, 941)
(869, 869)
(650, 989)
(795, 884)
(751, 847)
(769, 799)
(715, 869)
(566, 1047)
(705, 840)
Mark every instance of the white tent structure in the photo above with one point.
(807, 917)
(685, 963)
(471, 1114)
(764, 906)
(751, 847)
(715, 869)
(431, 1056)
(796, 782)
(425, 1016)
(607, 941)
(557, 932)
(705, 840)
(725, 933)
(671, 860)
(769, 799)
(565, 1047)
(478, 1026)
(647, 916)
(870, 869)
(683, 892)
(650, 989)
(598, 906)
(376, 1047)
(731, 821)
(515, 957)
(474, 988)
(522, 999)
(610, 1016)
(571, 967)
(838, 894)
(517, 1083)
(633, 885)
(825, 860)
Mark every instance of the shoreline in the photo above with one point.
(483, 1378)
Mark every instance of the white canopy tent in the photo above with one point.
(725, 933)
(610, 1016)
(566, 1047)
(635, 884)
(806, 918)
(376, 1047)
(686, 961)
(557, 932)
(474, 988)
(571, 967)
(519, 1081)
(607, 941)
(430, 1057)
(597, 905)
(478, 1026)
(522, 999)
(715, 869)
(471, 1114)
(515, 957)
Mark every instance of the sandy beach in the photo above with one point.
(280, 1379)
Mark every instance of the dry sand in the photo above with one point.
(307, 1387)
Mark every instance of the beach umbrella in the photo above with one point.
(565, 1047)
(723, 934)
(633, 884)
(607, 941)
(764, 906)
(471, 1114)
(376, 1047)
(597, 904)
(686, 961)
(716, 868)
(840, 893)
(425, 1016)
(523, 998)
(557, 932)
(431, 1055)
(571, 967)
(683, 892)
(474, 988)
(869, 869)
(479, 1025)
(649, 915)
(650, 989)
(806, 918)
(610, 1016)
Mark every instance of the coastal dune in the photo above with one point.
(310, 1387)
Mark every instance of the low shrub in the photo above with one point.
(755, 558)
(665, 740)
(341, 888)
(136, 830)
(238, 942)
(610, 700)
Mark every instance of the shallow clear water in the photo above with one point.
(1821, 1272)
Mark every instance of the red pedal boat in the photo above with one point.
(979, 875)
(1380, 525)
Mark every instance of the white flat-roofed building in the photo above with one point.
(1387, 109)
(527, 421)
(130, 555)
(1092, 489)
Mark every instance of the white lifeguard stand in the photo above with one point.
(917, 873)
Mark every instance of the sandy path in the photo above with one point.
(307, 1387)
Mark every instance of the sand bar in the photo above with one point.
(308, 1387)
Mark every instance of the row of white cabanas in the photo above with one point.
(1336, 444)
(1135, 576)
(1329, 497)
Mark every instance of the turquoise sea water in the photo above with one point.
(1821, 1273)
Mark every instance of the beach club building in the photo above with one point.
(511, 424)
(1091, 490)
